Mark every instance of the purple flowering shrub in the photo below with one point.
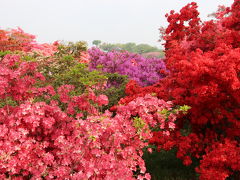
(145, 71)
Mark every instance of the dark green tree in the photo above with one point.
(97, 42)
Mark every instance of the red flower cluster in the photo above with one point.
(204, 63)
(133, 90)
(217, 158)
(204, 60)
(205, 74)
(15, 79)
(15, 39)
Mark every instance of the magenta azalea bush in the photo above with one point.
(145, 71)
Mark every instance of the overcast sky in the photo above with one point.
(112, 21)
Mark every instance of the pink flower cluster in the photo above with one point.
(39, 140)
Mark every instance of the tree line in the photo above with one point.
(130, 47)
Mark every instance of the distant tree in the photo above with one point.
(108, 47)
(97, 42)
(130, 47)
(145, 48)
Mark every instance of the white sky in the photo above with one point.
(113, 21)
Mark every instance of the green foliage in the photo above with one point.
(117, 90)
(71, 48)
(183, 109)
(79, 76)
(3, 53)
(57, 66)
(7, 101)
(66, 69)
(28, 58)
(138, 123)
(66, 57)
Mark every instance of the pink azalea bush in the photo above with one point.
(39, 140)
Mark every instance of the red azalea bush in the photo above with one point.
(204, 63)
(204, 60)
